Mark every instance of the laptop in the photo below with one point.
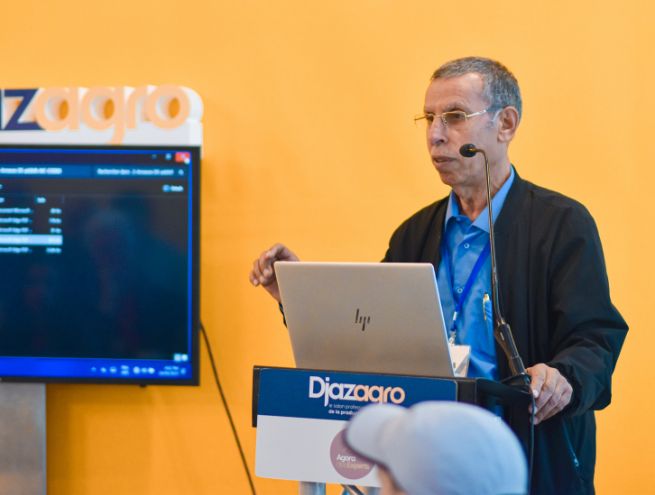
(368, 317)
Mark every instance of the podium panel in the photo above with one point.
(301, 416)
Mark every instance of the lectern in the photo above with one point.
(300, 415)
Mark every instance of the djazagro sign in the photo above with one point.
(301, 415)
(101, 115)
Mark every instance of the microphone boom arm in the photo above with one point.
(502, 331)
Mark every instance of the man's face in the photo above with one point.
(462, 93)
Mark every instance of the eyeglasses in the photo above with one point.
(450, 119)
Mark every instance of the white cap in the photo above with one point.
(441, 448)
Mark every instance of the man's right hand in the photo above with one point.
(262, 272)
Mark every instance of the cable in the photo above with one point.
(227, 409)
(531, 452)
(352, 490)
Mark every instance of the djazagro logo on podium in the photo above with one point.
(99, 115)
(320, 387)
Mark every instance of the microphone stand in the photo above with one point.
(502, 331)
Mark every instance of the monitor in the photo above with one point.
(99, 264)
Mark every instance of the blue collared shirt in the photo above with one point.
(466, 240)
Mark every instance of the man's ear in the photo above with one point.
(508, 122)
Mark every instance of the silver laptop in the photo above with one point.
(369, 317)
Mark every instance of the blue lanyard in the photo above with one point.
(461, 298)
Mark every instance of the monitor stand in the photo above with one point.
(23, 438)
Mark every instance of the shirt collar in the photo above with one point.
(497, 201)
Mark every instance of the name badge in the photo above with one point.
(460, 355)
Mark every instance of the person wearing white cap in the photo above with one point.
(439, 448)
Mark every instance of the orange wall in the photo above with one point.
(309, 139)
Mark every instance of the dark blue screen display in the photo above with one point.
(99, 264)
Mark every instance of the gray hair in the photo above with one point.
(500, 86)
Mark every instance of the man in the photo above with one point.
(553, 284)
(439, 448)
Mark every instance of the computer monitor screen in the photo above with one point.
(99, 264)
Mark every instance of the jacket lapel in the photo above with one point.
(431, 252)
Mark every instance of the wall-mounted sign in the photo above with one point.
(101, 115)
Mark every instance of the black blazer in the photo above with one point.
(554, 293)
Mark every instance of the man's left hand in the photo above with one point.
(551, 390)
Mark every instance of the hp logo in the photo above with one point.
(361, 319)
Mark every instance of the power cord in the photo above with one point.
(227, 409)
(531, 450)
(352, 490)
